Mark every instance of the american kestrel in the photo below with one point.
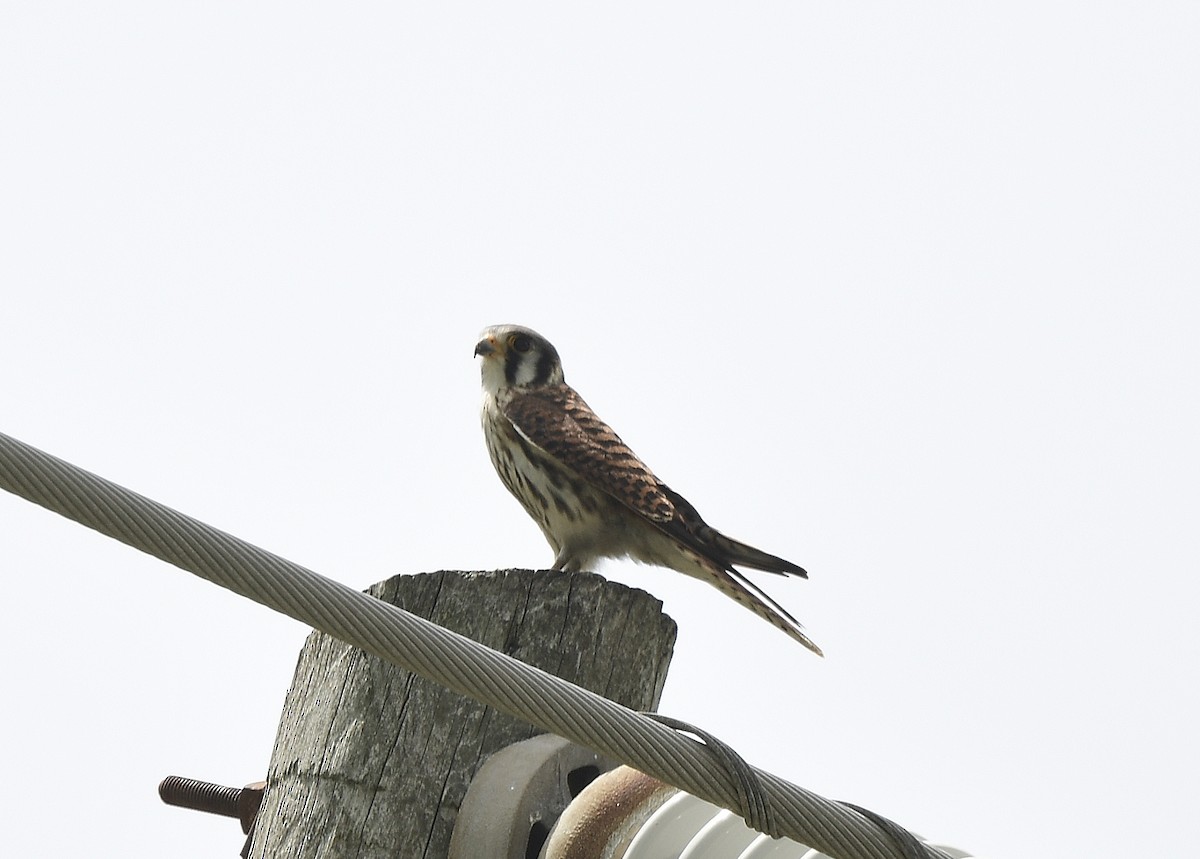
(590, 494)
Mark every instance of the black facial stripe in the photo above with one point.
(545, 365)
(512, 361)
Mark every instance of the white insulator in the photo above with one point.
(690, 828)
(671, 827)
(766, 847)
(726, 834)
(685, 827)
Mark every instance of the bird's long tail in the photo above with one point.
(736, 586)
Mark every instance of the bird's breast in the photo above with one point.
(568, 509)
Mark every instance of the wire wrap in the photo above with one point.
(752, 799)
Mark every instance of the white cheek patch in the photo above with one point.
(526, 370)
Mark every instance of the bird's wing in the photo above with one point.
(557, 421)
(725, 549)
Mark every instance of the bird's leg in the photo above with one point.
(565, 563)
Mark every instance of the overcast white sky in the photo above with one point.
(905, 293)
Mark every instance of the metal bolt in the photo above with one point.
(241, 803)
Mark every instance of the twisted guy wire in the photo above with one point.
(427, 649)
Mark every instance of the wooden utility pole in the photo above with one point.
(373, 761)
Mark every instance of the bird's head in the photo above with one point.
(517, 357)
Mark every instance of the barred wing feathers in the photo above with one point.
(555, 419)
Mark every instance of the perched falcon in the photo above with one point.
(590, 494)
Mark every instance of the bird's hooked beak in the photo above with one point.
(487, 346)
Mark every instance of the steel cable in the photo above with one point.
(431, 651)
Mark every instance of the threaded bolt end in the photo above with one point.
(200, 795)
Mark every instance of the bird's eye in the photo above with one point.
(520, 342)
